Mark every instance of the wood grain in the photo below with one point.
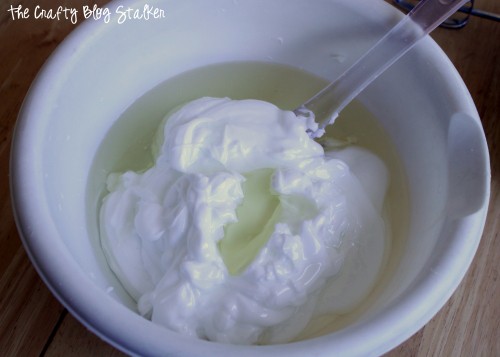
(28, 311)
(33, 323)
(72, 339)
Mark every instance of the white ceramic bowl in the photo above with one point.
(103, 67)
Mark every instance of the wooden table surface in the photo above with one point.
(33, 322)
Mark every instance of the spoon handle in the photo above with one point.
(425, 17)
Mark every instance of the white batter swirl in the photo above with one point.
(167, 232)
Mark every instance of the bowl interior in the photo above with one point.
(102, 69)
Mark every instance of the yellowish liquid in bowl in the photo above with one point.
(127, 146)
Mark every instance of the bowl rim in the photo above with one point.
(111, 321)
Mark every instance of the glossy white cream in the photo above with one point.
(171, 233)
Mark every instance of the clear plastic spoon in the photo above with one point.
(325, 106)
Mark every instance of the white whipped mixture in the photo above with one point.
(239, 231)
